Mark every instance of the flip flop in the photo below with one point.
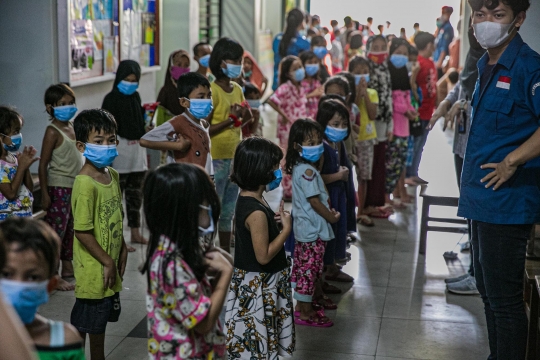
(330, 289)
(380, 214)
(340, 277)
(365, 221)
(324, 302)
(316, 321)
(315, 306)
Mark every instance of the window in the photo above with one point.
(210, 21)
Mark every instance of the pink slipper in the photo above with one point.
(315, 321)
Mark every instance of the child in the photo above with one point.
(226, 120)
(16, 184)
(99, 249)
(60, 163)
(261, 270)
(253, 73)
(185, 137)
(28, 277)
(367, 100)
(396, 153)
(181, 207)
(253, 98)
(311, 84)
(318, 47)
(290, 102)
(168, 97)
(201, 54)
(312, 218)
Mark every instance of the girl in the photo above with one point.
(28, 277)
(60, 163)
(312, 218)
(311, 84)
(168, 96)
(16, 183)
(181, 207)
(225, 122)
(377, 54)
(396, 153)
(253, 73)
(124, 103)
(261, 269)
(290, 102)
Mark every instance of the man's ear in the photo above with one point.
(520, 19)
(184, 103)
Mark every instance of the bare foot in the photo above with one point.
(63, 285)
(67, 269)
(137, 238)
(131, 248)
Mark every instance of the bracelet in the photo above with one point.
(236, 121)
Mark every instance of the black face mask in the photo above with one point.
(472, 39)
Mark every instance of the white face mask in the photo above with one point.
(491, 34)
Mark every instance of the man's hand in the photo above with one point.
(441, 111)
(451, 115)
(501, 173)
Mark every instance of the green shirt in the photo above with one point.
(96, 207)
(70, 352)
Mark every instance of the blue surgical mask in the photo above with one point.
(248, 74)
(334, 134)
(25, 297)
(299, 74)
(398, 60)
(210, 229)
(16, 141)
(254, 104)
(127, 88)
(232, 71)
(358, 78)
(274, 184)
(312, 69)
(312, 153)
(100, 155)
(64, 113)
(205, 61)
(200, 108)
(320, 51)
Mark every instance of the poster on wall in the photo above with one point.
(82, 49)
(101, 29)
(110, 54)
(148, 28)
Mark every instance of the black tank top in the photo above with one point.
(244, 254)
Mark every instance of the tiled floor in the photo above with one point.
(396, 309)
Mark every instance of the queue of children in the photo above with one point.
(214, 182)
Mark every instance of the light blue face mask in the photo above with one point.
(312, 153)
(299, 74)
(320, 51)
(25, 297)
(200, 108)
(399, 60)
(254, 104)
(64, 113)
(100, 155)
(16, 141)
(358, 78)
(232, 71)
(274, 184)
(205, 61)
(334, 134)
(127, 88)
(312, 69)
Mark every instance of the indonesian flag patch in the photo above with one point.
(504, 82)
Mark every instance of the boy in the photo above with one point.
(99, 249)
(427, 81)
(253, 98)
(318, 46)
(201, 54)
(185, 137)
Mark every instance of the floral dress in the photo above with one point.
(21, 206)
(313, 102)
(176, 302)
(293, 102)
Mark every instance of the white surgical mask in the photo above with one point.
(491, 34)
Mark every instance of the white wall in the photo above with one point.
(531, 28)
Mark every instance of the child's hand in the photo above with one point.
(27, 157)
(216, 261)
(336, 214)
(285, 217)
(411, 114)
(343, 173)
(362, 87)
(318, 92)
(122, 260)
(109, 274)
(183, 143)
(45, 201)
(237, 110)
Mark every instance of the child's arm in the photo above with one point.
(159, 139)
(275, 106)
(341, 175)
(25, 159)
(255, 123)
(50, 140)
(215, 129)
(331, 216)
(257, 225)
(109, 267)
(15, 342)
(318, 92)
(122, 260)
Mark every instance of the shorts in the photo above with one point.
(92, 315)
(364, 165)
(227, 192)
(307, 268)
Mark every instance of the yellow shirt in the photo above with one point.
(96, 207)
(367, 126)
(224, 144)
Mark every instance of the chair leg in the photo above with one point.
(533, 323)
(424, 225)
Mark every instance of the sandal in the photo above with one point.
(365, 220)
(325, 302)
(330, 289)
(351, 238)
(340, 277)
(315, 307)
(317, 320)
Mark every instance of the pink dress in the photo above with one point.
(176, 302)
(293, 102)
(313, 102)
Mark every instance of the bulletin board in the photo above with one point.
(101, 33)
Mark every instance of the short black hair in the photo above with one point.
(30, 234)
(254, 162)
(9, 117)
(416, 25)
(196, 48)
(517, 6)
(352, 85)
(339, 81)
(311, 32)
(285, 68)
(326, 111)
(318, 41)
(413, 51)
(334, 23)
(305, 56)
(347, 20)
(423, 39)
(190, 81)
(225, 49)
(357, 61)
(93, 120)
(356, 40)
(369, 19)
(453, 77)
(54, 93)
(250, 88)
